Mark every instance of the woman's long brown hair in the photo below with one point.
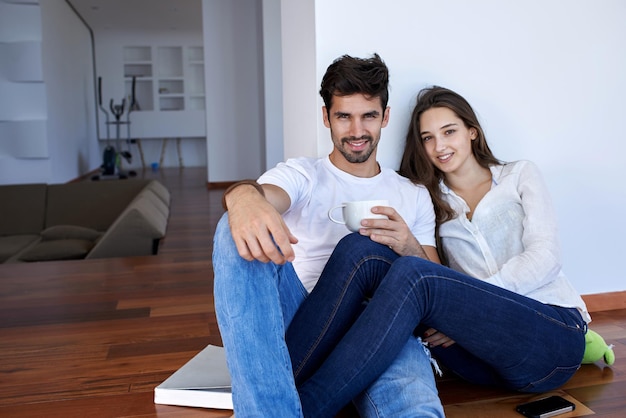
(415, 164)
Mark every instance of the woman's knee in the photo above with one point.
(417, 265)
(412, 272)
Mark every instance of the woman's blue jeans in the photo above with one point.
(369, 302)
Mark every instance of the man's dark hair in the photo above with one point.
(348, 75)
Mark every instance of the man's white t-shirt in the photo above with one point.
(315, 186)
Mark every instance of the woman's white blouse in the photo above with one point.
(512, 239)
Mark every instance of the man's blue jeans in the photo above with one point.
(255, 303)
(502, 338)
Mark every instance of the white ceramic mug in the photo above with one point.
(354, 212)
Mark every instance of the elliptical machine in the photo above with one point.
(111, 167)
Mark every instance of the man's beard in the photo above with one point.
(359, 157)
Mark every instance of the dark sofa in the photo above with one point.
(41, 222)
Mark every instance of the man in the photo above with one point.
(273, 243)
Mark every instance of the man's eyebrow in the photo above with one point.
(339, 114)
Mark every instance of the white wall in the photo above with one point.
(68, 74)
(23, 112)
(233, 80)
(272, 83)
(301, 110)
(546, 78)
(51, 103)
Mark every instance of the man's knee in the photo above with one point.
(357, 241)
(225, 251)
(407, 388)
(222, 230)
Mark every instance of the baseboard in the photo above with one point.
(605, 301)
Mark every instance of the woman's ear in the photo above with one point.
(473, 133)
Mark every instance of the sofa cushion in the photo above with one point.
(92, 204)
(160, 191)
(70, 232)
(60, 249)
(153, 199)
(134, 232)
(22, 209)
(13, 244)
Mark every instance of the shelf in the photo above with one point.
(196, 79)
(169, 84)
(137, 70)
(170, 61)
(171, 103)
(171, 87)
(196, 53)
(144, 97)
(137, 53)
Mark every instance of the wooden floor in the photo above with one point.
(92, 338)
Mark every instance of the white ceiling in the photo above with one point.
(142, 15)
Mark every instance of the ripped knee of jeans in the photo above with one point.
(433, 362)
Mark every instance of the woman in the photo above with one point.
(502, 313)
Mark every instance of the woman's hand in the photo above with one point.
(435, 338)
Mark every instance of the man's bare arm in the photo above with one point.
(256, 223)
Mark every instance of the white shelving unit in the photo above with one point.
(171, 82)
(195, 66)
(169, 90)
(138, 64)
(174, 75)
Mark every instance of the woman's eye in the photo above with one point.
(450, 131)
(426, 138)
